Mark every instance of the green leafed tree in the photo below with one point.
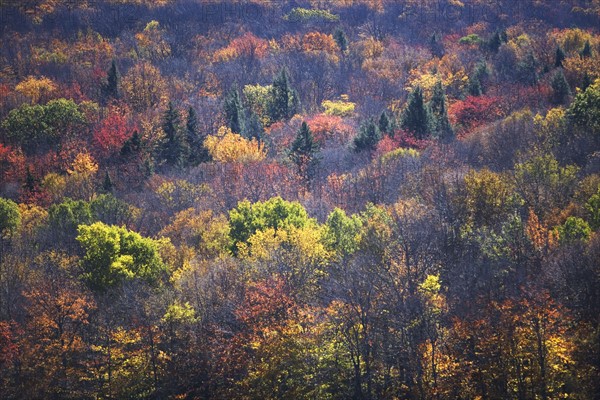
(584, 111)
(248, 218)
(113, 211)
(574, 229)
(10, 217)
(592, 206)
(38, 126)
(114, 254)
(544, 184)
(64, 218)
(342, 233)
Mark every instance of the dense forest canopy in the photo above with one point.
(303, 199)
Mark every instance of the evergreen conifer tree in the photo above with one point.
(234, 112)
(132, 145)
(586, 82)
(560, 88)
(342, 41)
(495, 42)
(303, 152)
(284, 102)
(436, 46)
(254, 128)
(107, 184)
(385, 125)
(175, 149)
(416, 117)
(112, 81)
(586, 52)
(368, 137)
(559, 57)
(439, 112)
(30, 181)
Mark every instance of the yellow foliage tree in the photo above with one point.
(151, 42)
(144, 87)
(36, 88)
(227, 147)
(80, 180)
(317, 42)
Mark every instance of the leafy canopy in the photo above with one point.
(115, 254)
(248, 218)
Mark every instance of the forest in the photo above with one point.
(300, 199)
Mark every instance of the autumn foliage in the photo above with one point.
(347, 199)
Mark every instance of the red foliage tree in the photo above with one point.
(330, 128)
(9, 347)
(249, 46)
(474, 111)
(402, 139)
(112, 132)
(12, 164)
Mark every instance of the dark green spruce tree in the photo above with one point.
(385, 124)
(175, 148)
(303, 152)
(586, 52)
(479, 75)
(559, 57)
(30, 182)
(416, 117)
(284, 102)
(527, 70)
(107, 184)
(254, 128)
(197, 153)
(495, 42)
(342, 41)
(436, 46)
(113, 78)
(368, 137)
(439, 113)
(586, 82)
(234, 111)
(560, 88)
(132, 145)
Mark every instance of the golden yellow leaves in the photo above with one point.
(144, 87)
(84, 165)
(227, 147)
(151, 42)
(36, 88)
(317, 42)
